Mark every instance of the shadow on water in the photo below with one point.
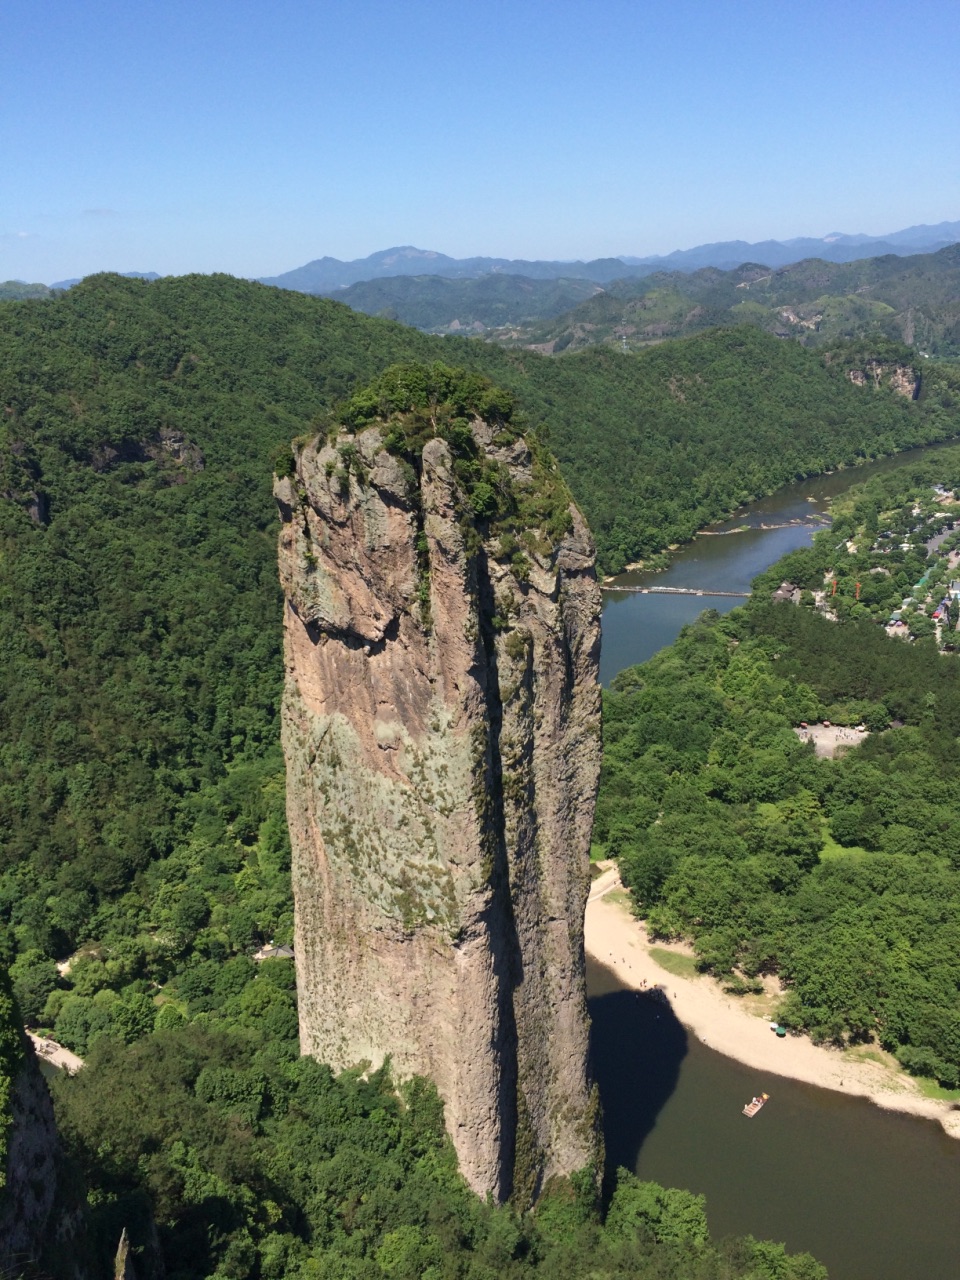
(637, 1046)
(872, 1194)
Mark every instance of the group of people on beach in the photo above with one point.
(805, 733)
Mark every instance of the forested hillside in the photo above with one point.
(16, 290)
(840, 876)
(140, 775)
(142, 835)
(694, 427)
(653, 446)
(439, 305)
(915, 300)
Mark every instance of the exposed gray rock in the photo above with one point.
(441, 725)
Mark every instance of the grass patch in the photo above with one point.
(680, 966)
(874, 1055)
(621, 897)
(598, 852)
(927, 1086)
(833, 850)
(930, 1089)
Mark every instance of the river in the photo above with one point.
(874, 1195)
(635, 626)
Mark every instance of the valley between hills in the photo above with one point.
(387, 756)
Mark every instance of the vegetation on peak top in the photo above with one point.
(415, 403)
(424, 400)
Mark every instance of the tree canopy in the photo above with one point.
(841, 876)
(142, 832)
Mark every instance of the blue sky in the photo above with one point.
(245, 137)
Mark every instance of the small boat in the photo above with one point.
(754, 1105)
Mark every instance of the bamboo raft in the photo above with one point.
(754, 1105)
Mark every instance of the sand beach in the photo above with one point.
(739, 1027)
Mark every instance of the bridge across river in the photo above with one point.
(679, 591)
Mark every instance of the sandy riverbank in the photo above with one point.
(738, 1027)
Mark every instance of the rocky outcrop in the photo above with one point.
(42, 1228)
(32, 1166)
(903, 379)
(441, 726)
(20, 479)
(176, 455)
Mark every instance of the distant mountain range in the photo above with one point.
(333, 276)
(913, 299)
(836, 247)
(328, 275)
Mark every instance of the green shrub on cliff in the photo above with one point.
(414, 403)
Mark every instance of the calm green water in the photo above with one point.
(872, 1194)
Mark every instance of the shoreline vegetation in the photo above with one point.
(662, 559)
(739, 1026)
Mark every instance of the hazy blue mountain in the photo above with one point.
(438, 304)
(327, 275)
(835, 247)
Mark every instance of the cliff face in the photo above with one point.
(32, 1166)
(441, 726)
(41, 1209)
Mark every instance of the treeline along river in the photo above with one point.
(874, 1195)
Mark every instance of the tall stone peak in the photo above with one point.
(441, 726)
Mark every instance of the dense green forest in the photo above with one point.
(840, 876)
(653, 446)
(691, 427)
(915, 300)
(141, 796)
(440, 305)
(142, 831)
(143, 841)
(257, 1163)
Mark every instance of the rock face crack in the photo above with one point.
(441, 726)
